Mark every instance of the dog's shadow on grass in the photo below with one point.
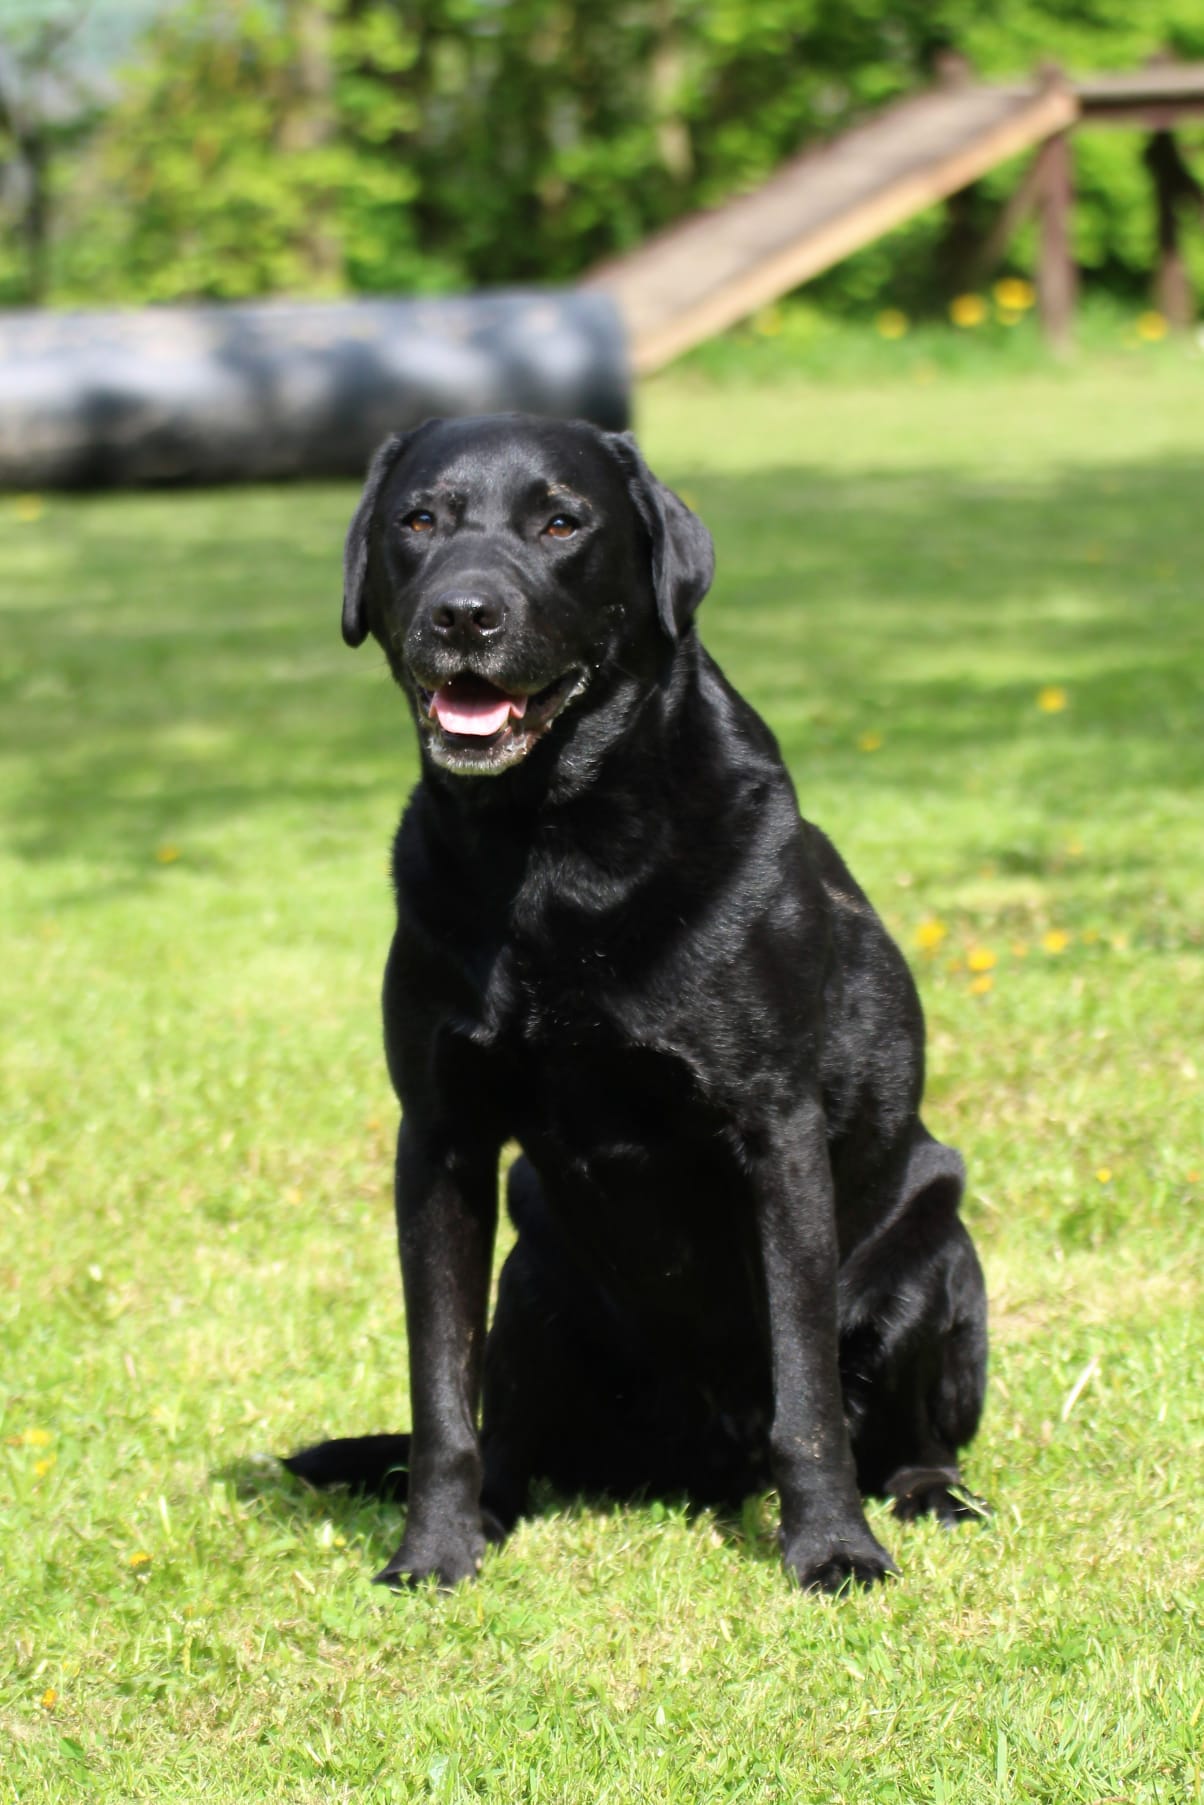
(262, 1479)
(283, 1499)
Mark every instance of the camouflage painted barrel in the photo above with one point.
(287, 389)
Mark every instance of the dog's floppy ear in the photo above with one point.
(355, 549)
(683, 553)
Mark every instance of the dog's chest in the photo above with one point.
(573, 1064)
(634, 1165)
(613, 1091)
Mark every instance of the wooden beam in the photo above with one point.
(1057, 279)
(1157, 98)
(1174, 185)
(1050, 110)
(1150, 116)
(1023, 199)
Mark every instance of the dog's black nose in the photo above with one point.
(466, 615)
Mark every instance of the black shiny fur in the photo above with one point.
(739, 1258)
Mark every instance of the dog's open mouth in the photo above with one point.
(471, 724)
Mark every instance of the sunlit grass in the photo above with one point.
(972, 612)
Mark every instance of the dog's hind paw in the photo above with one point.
(938, 1492)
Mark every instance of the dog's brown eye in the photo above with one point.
(420, 521)
(561, 526)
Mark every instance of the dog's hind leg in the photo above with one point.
(541, 1370)
(521, 1369)
(569, 1395)
(914, 1345)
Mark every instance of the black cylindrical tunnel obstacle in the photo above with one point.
(287, 389)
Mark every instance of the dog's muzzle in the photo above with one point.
(474, 726)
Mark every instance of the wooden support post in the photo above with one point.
(1016, 209)
(1057, 279)
(1173, 184)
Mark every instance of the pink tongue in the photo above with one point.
(459, 710)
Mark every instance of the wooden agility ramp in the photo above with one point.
(712, 269)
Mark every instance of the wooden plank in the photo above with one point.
(714, 268)
(1157, 82)
(1155, 98)
(1148, 116)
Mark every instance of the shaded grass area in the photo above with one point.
(972, 613)
(798, 339)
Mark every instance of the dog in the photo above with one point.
(739, 1259)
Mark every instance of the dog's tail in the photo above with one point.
(378, 1464)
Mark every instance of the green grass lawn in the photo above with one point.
(972, 610)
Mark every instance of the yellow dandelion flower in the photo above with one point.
(1151, 327)
(892, 323)
(36, 1438)
(167, 855)
(43, 1466)
(1052, 699)
(980, 986)
(1104, 1174)
(1014, 294)
(869, 742)
(1056, 941)
(49, 1699)
(28, 508)
(967, 310)
(930, 933)
(140, 1558)
(980, 958)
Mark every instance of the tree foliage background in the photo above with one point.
(246, 147)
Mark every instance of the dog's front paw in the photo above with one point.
(448, 1558)
(829, 1559)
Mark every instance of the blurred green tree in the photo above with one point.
(45, 107)
(306, 146)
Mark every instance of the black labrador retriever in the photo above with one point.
(739, 1259)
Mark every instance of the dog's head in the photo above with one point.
(514, 569)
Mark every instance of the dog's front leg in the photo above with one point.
(825, 1538)
(446, 1218)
